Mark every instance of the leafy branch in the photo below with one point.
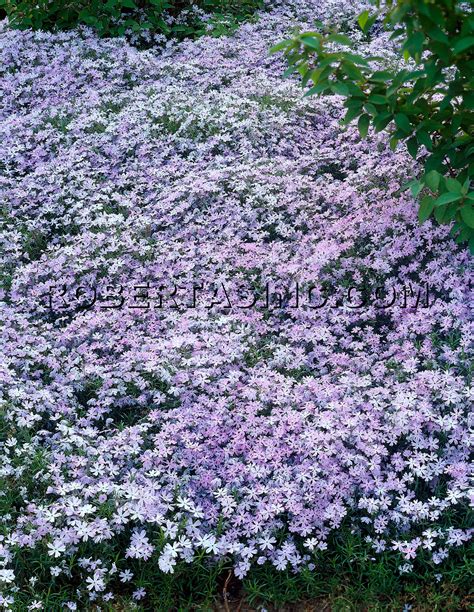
(427, 104)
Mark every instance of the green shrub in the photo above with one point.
(428, 103)
(115, 17)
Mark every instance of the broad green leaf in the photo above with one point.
(357, 59)
(464, 232)
(351, 114)
(355, 91)
(438, 35)
(380, 76)
(363, 125)
(302, 69)
(340, 38)
(377, 99)
(351, 70)
(467, 214)
(424, 139)
(362, 20)
(435, 14)
(320, 87)
(414, 43)
(353, 103)
(471, 245)
(311, 42)
(371, 109)
(463, 44)
(306, 77)
(426, 208)
(403, 122)
(408, 185)
(439, 213)
(311, 33)
(434, 162)
(289, 71)
(416, 187)
(381, 121)
(432, 180)
(340, 89)
(446, 198)
(453, 185)
(412, 146)
(280, 46)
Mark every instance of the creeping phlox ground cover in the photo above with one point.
(135, 437)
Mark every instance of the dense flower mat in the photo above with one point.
(253, 433)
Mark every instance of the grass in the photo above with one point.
(354, 582)
(347, 577)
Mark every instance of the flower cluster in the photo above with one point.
(133, 437)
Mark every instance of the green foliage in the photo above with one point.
(115, 17)
(349, 577)
(428, 103)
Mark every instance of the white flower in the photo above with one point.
(7, 575)
(208, 542)
(95, 583)
(166, 564)
(311, 543)
(139, 594)
(266, 542)
(56, 548)
(126, 576)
